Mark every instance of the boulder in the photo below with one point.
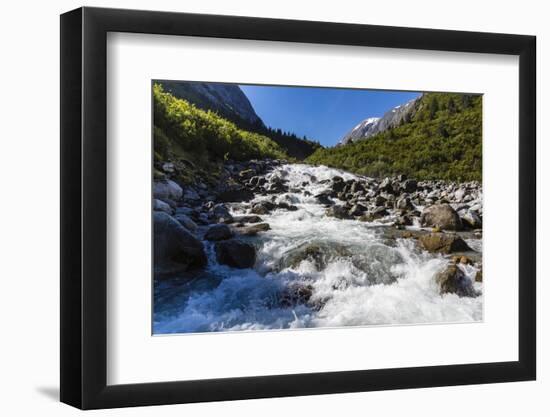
(339, 212)
(235, 194)
(167, 189)
(286, 206)
(357, 210)
(443, 243)
(453, 280)
(191, 195)
(404, 203)
(235, 254)
(404, 221)
(324, 198)
(442, 216)
(459, 194)
(186, 222)
(318, 253)
(159, 205)
(471, 219)
(220, 214)
(296, 293)
(263, 207)
(254, 229)
(386, 185)
(248, 219)
(218, 232)
(379, 200)
(409, 186)
(175, 248)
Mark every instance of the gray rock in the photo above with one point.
(443, 243)
(453, 280)
(218, 232)
(403, 203)
(220, 213)
(167, 189)
(235, 194)
(253, 230)
(459, 194)
(235, 254)
(186, 222)
(159, 205)
(191, 194)
(472, 219)
(247, 219)
(263, 207)
(175, 248)
(339, 212)
(357, 210)
(319, 253)
(442, 216)
(294, 294)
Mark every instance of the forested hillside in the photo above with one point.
(442, 139)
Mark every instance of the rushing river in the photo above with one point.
(363, 278)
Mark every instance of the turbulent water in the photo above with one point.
(363, 279)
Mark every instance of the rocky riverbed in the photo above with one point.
(277, 245)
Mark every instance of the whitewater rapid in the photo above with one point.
(369, 280)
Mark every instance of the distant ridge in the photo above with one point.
(373, 125)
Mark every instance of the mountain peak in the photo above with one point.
(373, 125)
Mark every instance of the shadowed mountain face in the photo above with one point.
(373, 125)
(227, 100)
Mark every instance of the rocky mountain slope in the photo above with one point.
(374, 125)
(227, 100)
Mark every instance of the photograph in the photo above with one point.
(291, 207)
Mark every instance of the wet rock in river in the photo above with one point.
(236, 254)
(404, 203)
(247, 219)
(253, 230)
(318, 253)
(471, 219)
(263, 207)
(175, 248)
(324, 198)
(404, 221)
(294, 294)
(218, 232)
(443, 243)
(286, 206)
(357, 210)
(235, 194)
(339, 212)
(442, 216)
(220, 214)
(453, 280)
(379, 200)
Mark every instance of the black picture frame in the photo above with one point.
(84, 207)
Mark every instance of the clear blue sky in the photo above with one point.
(323, 114)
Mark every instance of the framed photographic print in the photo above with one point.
(257, 208)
